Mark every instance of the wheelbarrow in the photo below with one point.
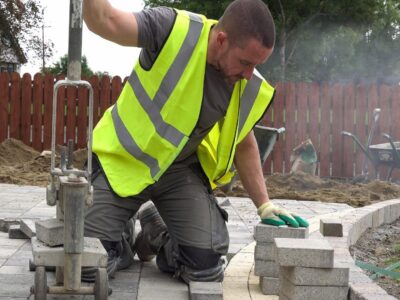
(385, 154)
(266, 138)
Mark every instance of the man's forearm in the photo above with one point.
(247, 162)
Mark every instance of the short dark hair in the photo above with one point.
(244, 19)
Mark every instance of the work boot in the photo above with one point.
(153, 235)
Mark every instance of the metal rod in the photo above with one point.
(84, 290)
(75, 40)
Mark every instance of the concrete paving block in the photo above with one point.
(28, 227)
(94, 254)
(50, 232)
(266, 233)
(269, 285)
(336, 276)
(14, 232)
(5, 223)
(302, 292)
(314, 253)
(205, 290)
(266, 268)
(331, 227)
(264, 251)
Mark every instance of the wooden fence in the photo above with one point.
(307, 110)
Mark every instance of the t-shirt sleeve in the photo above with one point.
(154, 26)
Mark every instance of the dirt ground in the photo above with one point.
(381, 247)
(20, 164)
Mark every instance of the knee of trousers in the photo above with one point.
(194, 264)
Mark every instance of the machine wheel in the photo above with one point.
(101, 285)
(40, 283)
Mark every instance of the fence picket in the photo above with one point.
(15, 106)
(37, 116)
(361, 130)
(314, 117)
(325, 126)
(26, 109)
(48, 86)
(348, 125)
(4, 105)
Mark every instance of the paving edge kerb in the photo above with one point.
(241, 283)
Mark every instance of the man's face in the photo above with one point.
(238, 62)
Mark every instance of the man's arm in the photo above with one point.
(110, 23)
(247, 162)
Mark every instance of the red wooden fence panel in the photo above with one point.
(336, 129)
(325, 157)
(26, 109)
(302, 110)
(290, 117)
(348, 125)
(94, 81)
(277, 155)
(37, 116)
(105, 94)
(314, 117)
(15, 106)
(48, 87)
(4, 107)
(385, 103)
(116, 87)
(373, 103)
(361, 130)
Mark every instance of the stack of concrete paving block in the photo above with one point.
(266, 266)
(308, 271)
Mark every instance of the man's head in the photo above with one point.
(243, 38)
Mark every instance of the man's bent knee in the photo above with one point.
(193, 264)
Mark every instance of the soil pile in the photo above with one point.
(20, 164)
(303, 186)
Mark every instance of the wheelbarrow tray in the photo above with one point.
(385, 154)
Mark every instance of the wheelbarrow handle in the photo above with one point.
(396, 154)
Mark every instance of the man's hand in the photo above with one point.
(275, 215)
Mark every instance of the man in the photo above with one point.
(185, 114)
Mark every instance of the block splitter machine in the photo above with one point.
(60, 242)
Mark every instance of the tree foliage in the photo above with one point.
(61, 67)
(22, 21)
(324, 40)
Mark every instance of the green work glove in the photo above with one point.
(275, 215)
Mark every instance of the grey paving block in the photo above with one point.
(28, 227)
(269, 285)
(94, 254)
(267, 233)
(315, 253)
(336, 276)
(302, 292)
(50, 232)
(14, 232)
(331, 227)
(266, 268)
(264, 251)
(5, 223)
(205, 290)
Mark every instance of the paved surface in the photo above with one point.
(143, 280)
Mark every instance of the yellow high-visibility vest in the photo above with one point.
(140, 136)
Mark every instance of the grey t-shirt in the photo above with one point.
(154, 27)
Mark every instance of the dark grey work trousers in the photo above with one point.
(196, 225)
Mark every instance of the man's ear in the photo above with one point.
(222, 38)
